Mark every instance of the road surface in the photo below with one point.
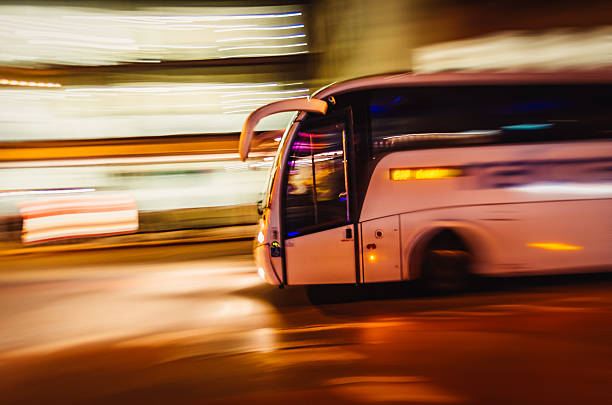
(194, 324)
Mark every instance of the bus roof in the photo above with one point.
(457, 78)
(463, 78)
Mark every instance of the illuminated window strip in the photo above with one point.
(79, 162)
(69, 203)
(232, 48)
(261, 38)
(10, 193)
(183, 19)
(249, 93)
(23, 83)
(261, 103)
(247, 101)
(81, 44)
(255, 55)
(163, 46)
(250, 110)
(49, 33)
(174, 89)
(282, 27)
(190, 27)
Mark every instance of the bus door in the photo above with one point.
(319, 233)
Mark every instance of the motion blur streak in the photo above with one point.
(555, 48)
(139, 109)
(566, 188)
(122, 161)
(54, 219)
(35, 36)
(43, 192)
(397, 392)
(282, 27)
(554, 246)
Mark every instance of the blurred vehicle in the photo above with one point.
(439, 176)
(70, 217)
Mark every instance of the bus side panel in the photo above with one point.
(491, 175)
(381, 250)
(325, 257)
(557, 235)
(520, 238)
(539, 204)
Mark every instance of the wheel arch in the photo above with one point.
(479, 243)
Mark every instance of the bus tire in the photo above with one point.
(445, 264)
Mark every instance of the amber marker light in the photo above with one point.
(428, 173)
(23, 83)
(554, 246)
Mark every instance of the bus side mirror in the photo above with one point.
(260, 207)
(299, 104)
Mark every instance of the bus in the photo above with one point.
(438, 177)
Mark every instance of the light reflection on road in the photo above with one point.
(183, 321)
(57, 311)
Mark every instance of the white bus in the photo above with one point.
(436, 177)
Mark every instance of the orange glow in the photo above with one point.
(554, 246)
(372, 257)
(23, 83)
(429, 173)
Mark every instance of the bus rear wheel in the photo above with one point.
(445, 264)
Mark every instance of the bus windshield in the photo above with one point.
(267, 192)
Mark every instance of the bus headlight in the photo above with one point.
(261, 237)
(261, 273)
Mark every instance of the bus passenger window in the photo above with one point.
(440, 117)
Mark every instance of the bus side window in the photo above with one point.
(440, 117)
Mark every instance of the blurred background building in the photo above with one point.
(146, 99)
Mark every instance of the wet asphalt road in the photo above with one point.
(194, 324)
